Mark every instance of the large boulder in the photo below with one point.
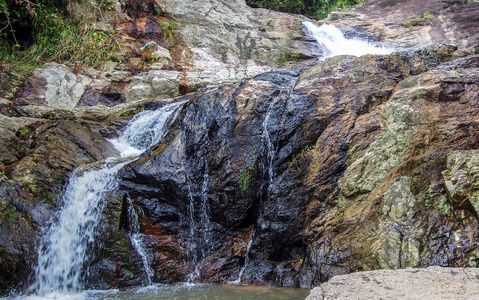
(429, 283)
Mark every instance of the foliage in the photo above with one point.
(249, 170)
(427, 18)
(7, 212)
(314, 8)
(34, 32)
(23, 133)
(290, 57)
(168, 29)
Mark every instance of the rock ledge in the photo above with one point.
(429, 283)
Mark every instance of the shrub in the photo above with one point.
(318, 9)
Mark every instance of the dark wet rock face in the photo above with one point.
(343, 167)
(287, 178)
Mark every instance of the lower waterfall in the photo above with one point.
(64, 247)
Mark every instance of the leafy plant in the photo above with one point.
(429, 18)
(32, 33)
(313, 8)
(413, 22)
(8, 213)
(290, 57)
(168, 29)
(23, 133)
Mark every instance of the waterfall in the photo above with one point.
(199, 242)
(64, 246)
(246, 260)
(333, 42)
(136, 239)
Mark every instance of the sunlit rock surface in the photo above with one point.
(288, 177)
(429, 283)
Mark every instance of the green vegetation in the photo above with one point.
(168, 29)
(35, 32)
(290, 57)
(413, 22)
(318, 9)
(248, 171)
(23, 133)
(7, 213)
(31, 184)
(427, 18)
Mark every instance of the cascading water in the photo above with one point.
(333, 42)
(136, 239)
(200, 235)
(205, 210)
(64, 249)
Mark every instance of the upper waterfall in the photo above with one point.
(333, 42)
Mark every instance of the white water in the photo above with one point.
(137, 240)
(333, 42)
(246, 261)
(64, 248)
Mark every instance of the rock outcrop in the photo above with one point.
(414, 23)
(288, 177)
(429, 283)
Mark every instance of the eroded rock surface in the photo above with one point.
(289, 177)
(415, 23)
(429, 283)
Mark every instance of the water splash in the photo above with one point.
(60, 259)
(64, 249)
(333, 42)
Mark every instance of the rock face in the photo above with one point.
(430, 283)
(414, 23)
(289, 177)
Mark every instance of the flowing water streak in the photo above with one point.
(136, 239)
(333, 42)
(246, 261)
(271, 152)
(199, 241)
(64, 249)
(205, 211)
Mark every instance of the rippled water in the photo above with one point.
(194, 292)
(185, 291)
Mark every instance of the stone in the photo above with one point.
(428, 283)
(460, 179)
(56, 86)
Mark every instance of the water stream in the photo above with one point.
(333, 42)
(137, 240)
(64, 249)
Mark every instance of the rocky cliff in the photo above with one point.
(290, 176)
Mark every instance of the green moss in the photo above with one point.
(8, 213)
(248, 172)
(23, 133)
(168, 29)
(290, 57)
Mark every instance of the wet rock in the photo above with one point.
(411, 24)
(429, 283)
